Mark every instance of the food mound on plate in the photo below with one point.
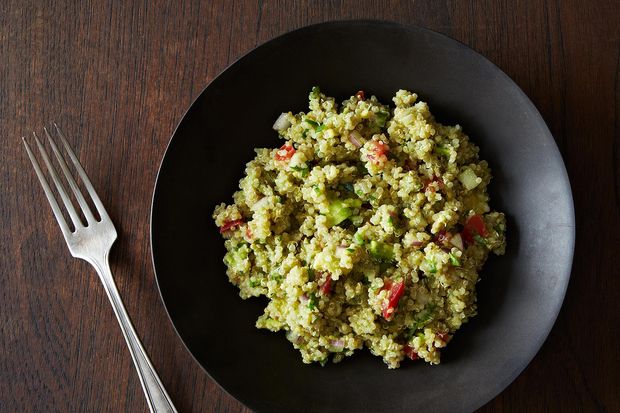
(366, 228)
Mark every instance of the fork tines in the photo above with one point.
(60, 187)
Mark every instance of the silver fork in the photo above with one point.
(92, 241)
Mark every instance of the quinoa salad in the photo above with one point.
(366, 228)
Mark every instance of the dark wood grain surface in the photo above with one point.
(118, 76)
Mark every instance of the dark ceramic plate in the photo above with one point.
(520, 293)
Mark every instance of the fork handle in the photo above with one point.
(156, 395)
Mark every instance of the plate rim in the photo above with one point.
(547, 136)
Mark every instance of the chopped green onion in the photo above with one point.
(432, 266)
(480, 240)
(310, 274)
(320, 128)
(359, 239)
(312, 301)
(454, 261)
(424, 317)
(302, 169)
(312, 123)
(254, 283)
(381, 118)
(442, 150)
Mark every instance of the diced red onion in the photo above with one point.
(417, 243)
(457, 241)
(303, 298)
(337, 344)
(354, 138)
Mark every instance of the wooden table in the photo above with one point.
(119, 75)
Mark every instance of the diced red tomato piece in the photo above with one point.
(286, 152)
(360, 95)
(473, 226)
(228, 225)
(380, 148)
(377, 153)
(387, 284)
(396, 291)
(410, 352)
(326, 287)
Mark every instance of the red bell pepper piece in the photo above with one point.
(228, 225)
(474, 226)
(396, 291)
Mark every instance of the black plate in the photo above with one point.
(520, 293)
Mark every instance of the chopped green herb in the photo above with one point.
(254, 282)
(359, 239)
(312, 123)
(310, 274)
(480, 240)
(391, 221)
(423, 318)
(381, 118)
(304, 134)
(442, 150)
(320, 128)
(454, 261)
(351, 250)
(301, 169)
(432, 266)
(312, 301)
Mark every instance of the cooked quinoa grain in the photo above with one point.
(367, 227)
